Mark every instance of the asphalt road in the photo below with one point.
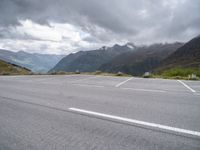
(84, 112)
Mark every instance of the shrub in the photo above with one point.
(77, 72)
(181, 72)
(120, 74)
(147, 75)
(5, 73)
(97, 72)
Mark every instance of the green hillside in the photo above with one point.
(180, 72)
(11, 69)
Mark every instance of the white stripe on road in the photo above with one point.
(89, 85)
(118, 85)
(185, 85)
(138, 122)
(85, 79)
(143, 90)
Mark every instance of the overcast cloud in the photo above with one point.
(65, 26)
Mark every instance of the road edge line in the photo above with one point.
(138, 122)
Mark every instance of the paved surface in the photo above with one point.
(35, 114)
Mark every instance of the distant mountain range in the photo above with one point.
(40, 63)
(127, 58)
(143, 59)
(186, 56)
(12, 69)
(89, 61)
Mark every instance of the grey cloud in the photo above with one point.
(133, 20)
(8, 33)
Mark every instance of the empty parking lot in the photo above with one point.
(98, 112)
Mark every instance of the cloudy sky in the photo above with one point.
(65, 26)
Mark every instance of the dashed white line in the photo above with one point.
(143, 90)
(138, 122)
(121, 83)
(89, 85)
(85, 78)
(192, 90)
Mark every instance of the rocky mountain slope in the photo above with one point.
(89, 61)
(144, 58)
(186, 56)
(127, 58)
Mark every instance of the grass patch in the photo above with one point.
(61, 73)
(11, 69)
(119, 74)
(179, 73)
(91, 73)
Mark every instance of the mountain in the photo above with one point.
(11, 69)
(36, 62)
(144, 58)
(88, 61)
(186, 56)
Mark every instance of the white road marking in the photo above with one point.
(118, 85)
(138, 122)
(89, 85)
(85, 78)
(192, 90)
(144, 90)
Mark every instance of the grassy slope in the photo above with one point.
(179, 73)
(10, 69)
